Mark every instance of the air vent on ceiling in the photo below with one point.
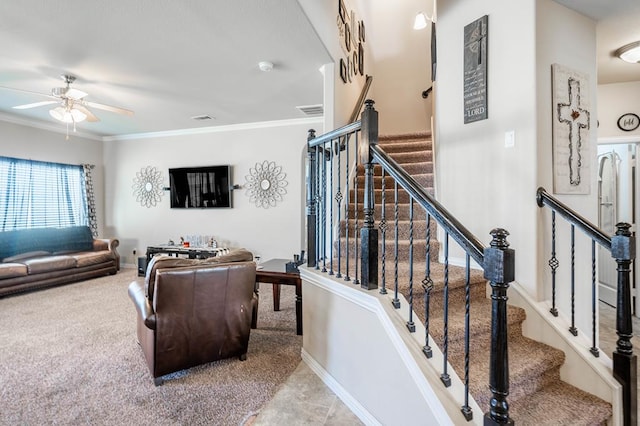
(202, 117)
(312, 110)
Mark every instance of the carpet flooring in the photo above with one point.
(69, 356)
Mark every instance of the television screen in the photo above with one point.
(200, 187)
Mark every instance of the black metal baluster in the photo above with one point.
(594, 349)
(324, 207)
(338, 207)
(410, 324)
(356, 281)
(395, 301)
(466, 410)
(383, 229)
(446, 379)
(331, 241)
(346, 212)
(553, 263)
(573, 330)
(427, 286)
(319, 235)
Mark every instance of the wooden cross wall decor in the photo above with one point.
(571, 131)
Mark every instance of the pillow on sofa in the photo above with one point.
(28, 255)
(165, 262)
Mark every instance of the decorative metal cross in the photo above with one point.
(576, 118)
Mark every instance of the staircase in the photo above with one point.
(537, 394)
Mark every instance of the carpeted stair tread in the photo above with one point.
(560, 404)
(537, 394)
(530, 364)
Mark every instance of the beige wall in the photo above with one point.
(273, 232)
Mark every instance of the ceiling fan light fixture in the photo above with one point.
(67, 115)
(629, 52)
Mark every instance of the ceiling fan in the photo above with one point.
(72, 106)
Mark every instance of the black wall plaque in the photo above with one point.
(475, 70)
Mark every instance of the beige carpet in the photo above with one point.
(69, 356)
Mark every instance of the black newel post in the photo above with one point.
(312, 192)
(624, 361)
(368, 234)
(499, 268)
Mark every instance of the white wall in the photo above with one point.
(323, 17)
(615, 100)
(21, 141)
(482, 182)
(555, 23)
(401, 57)
(273, 232)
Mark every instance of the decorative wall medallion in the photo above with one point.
(147, 186)
(265, 184)
(628, 122)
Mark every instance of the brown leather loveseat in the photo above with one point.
(191, 312)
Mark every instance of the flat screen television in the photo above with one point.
(200, 187)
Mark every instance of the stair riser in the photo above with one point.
(411, 168)
(403, 212)
(425, 180)
(408, 146)
(404, 230)
(403, 196)
(419, 251)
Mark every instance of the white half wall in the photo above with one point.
(275, 232)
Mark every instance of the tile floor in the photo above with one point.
(305, 400)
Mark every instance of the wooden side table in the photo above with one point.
(274, 271)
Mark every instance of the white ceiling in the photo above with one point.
(166, 60)
(171, 60)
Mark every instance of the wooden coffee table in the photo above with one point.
(274, 271)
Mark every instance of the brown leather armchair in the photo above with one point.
(192, 312)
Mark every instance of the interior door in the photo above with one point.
(607, 219)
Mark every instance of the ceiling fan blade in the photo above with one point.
(35, 104)
(108, 108)
(75, 94)
(90, 116)
(47, 95)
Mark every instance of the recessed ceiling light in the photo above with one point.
(265, 66)
(629, 53)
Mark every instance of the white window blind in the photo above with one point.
(37, 194)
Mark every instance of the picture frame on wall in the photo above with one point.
(342, 11)
(343, 70)
(347, 37)
(360, 59)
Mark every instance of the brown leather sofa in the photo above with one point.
(191, 311)
(42, 257)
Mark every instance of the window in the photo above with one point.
(37, 194)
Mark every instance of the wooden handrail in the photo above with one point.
(361, 99)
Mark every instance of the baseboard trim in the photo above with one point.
(340, 392)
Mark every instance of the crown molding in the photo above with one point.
(50, 127)
(215, 129)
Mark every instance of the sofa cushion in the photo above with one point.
(76, 238)
(11, 270)
(49, 263)
(87, 258)
(27, 255)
